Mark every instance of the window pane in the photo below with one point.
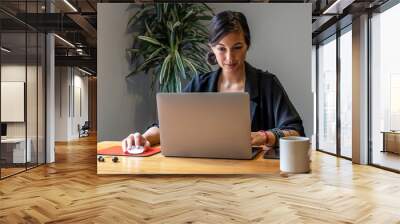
(346, 94)
(31, 97)
(327, 96)
(41, 98)
(386, 88)
(14, 147)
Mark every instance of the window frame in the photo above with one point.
(334, 37)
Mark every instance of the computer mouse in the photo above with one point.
(136, 149)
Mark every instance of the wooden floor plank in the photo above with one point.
(70, 191)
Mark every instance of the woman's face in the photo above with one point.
(231, 51)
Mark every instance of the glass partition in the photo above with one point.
(385, 88)
(31, 100)
(22, 77)
(41, 87)
(327, 95)
(14, 151)
(346, 93)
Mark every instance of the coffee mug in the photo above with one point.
(294, 154)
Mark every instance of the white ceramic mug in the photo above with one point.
(294, 154)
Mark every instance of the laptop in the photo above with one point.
(205, 125)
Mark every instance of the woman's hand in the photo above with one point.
(258, 138)
(136, 139)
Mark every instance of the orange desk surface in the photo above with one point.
(159, 164)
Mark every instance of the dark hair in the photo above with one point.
(223, 23)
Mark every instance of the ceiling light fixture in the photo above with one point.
(84, 71)
(65, 41)
(5, 50)
(337, 7)
(70, 5)
(79, 51)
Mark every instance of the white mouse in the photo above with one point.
(135, 149)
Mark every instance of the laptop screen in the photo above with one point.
(3, 129)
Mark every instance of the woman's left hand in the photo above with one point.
(257, 138)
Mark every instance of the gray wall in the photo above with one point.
(281, 44)
(122, 105)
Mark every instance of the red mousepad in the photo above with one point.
(117, 151)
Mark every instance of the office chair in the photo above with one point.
(84, 130)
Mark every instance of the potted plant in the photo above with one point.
(171, 44)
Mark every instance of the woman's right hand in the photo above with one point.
(135, 139)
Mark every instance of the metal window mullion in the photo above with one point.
(26, 87)
(317, 96)
(73, 91)
(369, 91)
(37, 91)
(45, 87)
(338, 95)
(45, 94)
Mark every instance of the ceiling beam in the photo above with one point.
(84, 24)
(337, 6)
(85, 61)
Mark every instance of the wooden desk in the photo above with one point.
(159, 164)
(391, 141)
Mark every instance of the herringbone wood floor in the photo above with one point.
(69, 191)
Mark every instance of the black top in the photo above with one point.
(270, 106)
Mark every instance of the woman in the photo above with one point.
(273, 115)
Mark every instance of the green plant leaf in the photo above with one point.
(179, 63)
(164, 68)
(172, 42)
(133, 50)
(178, 84)
(188, 14)
(148, 28)
(134, 19)
(191, 66)
(155, 53)
(198, 66)
(145, 63)
(150, 40)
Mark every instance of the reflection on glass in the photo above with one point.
(346, 94)
(41, 99)
(22, 90)
(327, 96)
(14, 153)
(386, 87)
(31, 101)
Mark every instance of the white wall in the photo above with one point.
(80, 83)
(281, 44)
(61, 103)
(17, 72)
(67, 80)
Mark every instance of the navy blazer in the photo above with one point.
(270, 106)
